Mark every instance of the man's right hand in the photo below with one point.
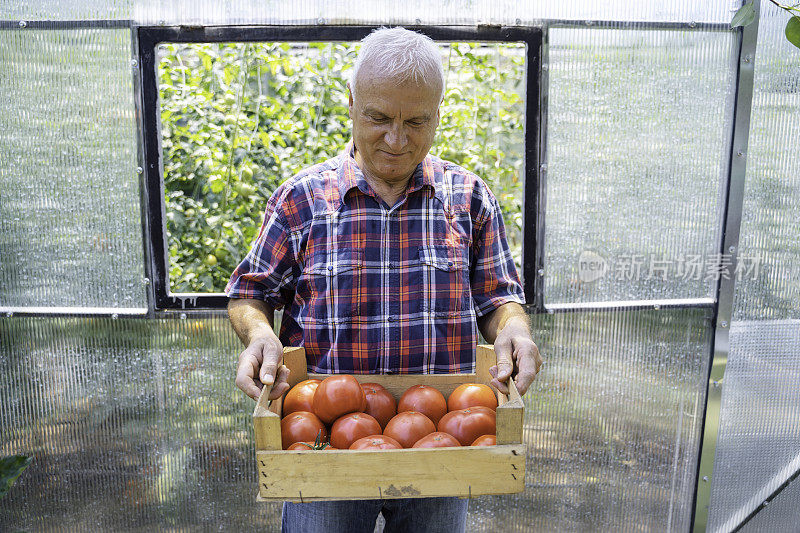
(261, 364)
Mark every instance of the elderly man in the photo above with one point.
(386, 260)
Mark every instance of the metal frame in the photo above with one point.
(148, 38)
(729, 242)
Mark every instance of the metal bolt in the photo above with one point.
(518, 22)
(115, 316)
(417, 21)
(590, 23)
(692, 24)
(747, 58)
(139, 170)
(145, 281)
(550, 311)
(134, 63)
(540, 272)
(183, 316)
(705, 479)
(543, 167)
(732, 249)
(724, 324)
(162, 22)
(9, 314)
(545, 66)
(23, 24)
(715, 383)
(320, 20)
(656, 307)
(740, 153)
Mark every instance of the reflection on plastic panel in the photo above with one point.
(637, 148)
(70, 222)
(133, 424)
(136, 423)
(611, 425)
(769, 229)
(418, 12)
(758, 446)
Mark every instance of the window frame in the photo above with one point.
(154, 207)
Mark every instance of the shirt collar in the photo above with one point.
(429, 173)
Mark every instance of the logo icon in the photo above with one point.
(591, 266)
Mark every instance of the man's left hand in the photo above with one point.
(517, 356)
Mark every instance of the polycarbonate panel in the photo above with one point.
(70, 220)
(611, 423)
(134, 425)
(72, 10)
(770, 234)
(638, 131)
(782, 514)
(420, 12)
(758, 446)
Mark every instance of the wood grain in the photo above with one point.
(465, 472)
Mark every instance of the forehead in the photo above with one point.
(385, 92)
(388, 95)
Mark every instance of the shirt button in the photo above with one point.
(449, 263)
(391, 265)
(330, 269)
(390, 319)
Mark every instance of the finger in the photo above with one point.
(505, 364)
(528, 368)
(281, 383)
(269, 367)
(245, 381)
(499, 385)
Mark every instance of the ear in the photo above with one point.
(350, 99)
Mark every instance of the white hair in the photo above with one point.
(402, 55)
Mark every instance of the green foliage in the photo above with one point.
(238, 119)
(747, 14)
(792, 31)
(11, 467)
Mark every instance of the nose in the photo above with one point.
(396, 138)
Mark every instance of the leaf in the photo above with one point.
(745, 15)
(793, 31)
(10, 469)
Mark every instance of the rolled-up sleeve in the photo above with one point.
(494, 278)
(268, 272)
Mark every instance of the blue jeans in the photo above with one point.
(410, 515)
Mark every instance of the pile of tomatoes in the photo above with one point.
(339, 413)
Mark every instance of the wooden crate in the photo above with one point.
(408, 473)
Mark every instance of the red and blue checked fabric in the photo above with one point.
(372, 288)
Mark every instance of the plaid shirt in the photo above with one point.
(373, 289)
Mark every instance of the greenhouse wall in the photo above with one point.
(131, 414)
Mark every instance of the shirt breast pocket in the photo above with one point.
(334, 284)
(445, 278)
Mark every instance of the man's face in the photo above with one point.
(393, 125)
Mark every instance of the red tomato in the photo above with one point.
(337, 396)
(301, 426)
(306, 446)
(372, 386)
(380, 404)
(423, 399)
(485, 440)
(349, 428)
(300, 397)
(437, 439)
(466, 425)
(470, 395)
(376, 442)
(408, 427)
